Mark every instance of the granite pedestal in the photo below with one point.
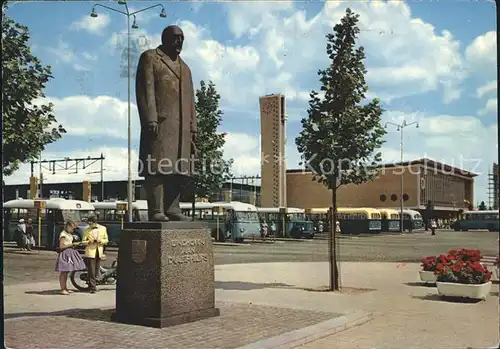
(165, 274)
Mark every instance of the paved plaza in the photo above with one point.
(277, 304)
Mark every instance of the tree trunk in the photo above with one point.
(332, 253)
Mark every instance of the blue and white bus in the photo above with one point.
(234, 220)
(477, 220)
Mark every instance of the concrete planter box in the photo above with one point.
(427, 276)
(451, 289)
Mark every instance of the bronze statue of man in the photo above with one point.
(165, 100)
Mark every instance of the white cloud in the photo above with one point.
(481, 54)
(417, 58)
(98, 116)
(62, 52)
(65, 54)
(490, 87)
(89, 56)
(92, 25)
(490, 108)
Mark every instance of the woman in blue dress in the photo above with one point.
(68, 259)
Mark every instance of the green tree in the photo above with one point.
(482, 206)
(211, 170)
(27, 128)
(342, 131)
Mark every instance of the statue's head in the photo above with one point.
(172, 39)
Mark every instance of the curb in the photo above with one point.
(226, 244)
(312, 333)
(294, 240)
(351, 236)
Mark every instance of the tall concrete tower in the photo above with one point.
(273, 141)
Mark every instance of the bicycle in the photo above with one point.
(107, 276)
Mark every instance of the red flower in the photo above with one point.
(461, 266)
(453, 252)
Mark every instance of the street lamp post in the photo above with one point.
(129, 14)
(400, 128)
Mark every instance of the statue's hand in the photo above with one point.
(153, 128)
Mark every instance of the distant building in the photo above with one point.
(273, 141)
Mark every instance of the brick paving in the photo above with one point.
(238, 325)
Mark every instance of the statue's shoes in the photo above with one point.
(177, 217)
(159, 217)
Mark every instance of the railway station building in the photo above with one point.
(449, 189)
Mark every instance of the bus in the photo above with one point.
(391, 220)
(359, 220)
(52, 218)
(412, 220)
(477, 220)
(296, 224)
(319, 217)
(109, 214)
(352, 220)
(234, 220)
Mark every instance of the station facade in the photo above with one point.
(449, 189)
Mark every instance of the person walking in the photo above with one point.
(68, 259)
(95, 237)
(264, 229)
(433, 226)
(30, 234)
(20, 235)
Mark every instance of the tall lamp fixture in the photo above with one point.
(163, 14)
(400, 127)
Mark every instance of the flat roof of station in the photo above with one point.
(428, 163)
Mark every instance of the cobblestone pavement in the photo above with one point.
(238, 325)
(28, 267)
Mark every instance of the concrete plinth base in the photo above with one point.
(165, 274)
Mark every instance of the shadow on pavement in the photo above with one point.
(352, 291)
(421, 284)
(236, 285)
(438, 298)
(57, 292)
(85, 314)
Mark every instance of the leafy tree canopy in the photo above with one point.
(342, 131)
(27, 128)
(211, 171)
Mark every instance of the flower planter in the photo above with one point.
(427, 276)
(477, 291)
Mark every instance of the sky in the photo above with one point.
(429, 62)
